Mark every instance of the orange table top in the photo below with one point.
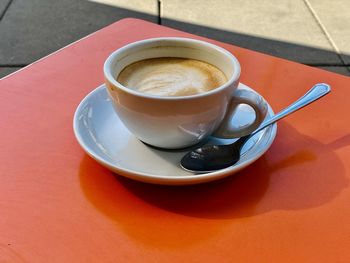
(59, 205)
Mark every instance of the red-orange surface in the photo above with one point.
(58, 205)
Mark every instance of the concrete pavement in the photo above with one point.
(313, 32)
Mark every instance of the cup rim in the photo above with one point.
(107, 68)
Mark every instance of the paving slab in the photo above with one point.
(335, 18)
(33, 29)
(5, 71)
(281, 28)
(145, 6)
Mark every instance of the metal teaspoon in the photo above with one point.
(215, 157)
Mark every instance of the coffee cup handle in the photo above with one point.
(241, 96)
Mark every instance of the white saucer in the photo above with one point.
(103, 136)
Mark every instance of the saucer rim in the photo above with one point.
(167, 180)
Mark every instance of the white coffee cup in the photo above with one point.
(177, 122)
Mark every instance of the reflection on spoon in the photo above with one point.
(214, 157)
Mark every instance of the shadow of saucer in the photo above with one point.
(141, 220)
(295, 174)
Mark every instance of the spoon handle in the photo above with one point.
(316, 92)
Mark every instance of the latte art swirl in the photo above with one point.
(171, 76)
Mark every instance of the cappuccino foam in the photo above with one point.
(171, 76)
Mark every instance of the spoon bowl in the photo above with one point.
(210, 157)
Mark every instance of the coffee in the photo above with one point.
(170, 76)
